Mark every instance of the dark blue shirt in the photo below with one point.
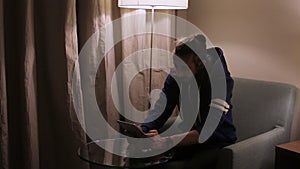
(225, 133)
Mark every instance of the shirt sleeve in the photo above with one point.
(225, 130)
(163, 107)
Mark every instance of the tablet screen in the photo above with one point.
(132, 129)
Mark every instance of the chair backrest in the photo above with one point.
(259, 106)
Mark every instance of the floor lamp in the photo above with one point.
(153, 4)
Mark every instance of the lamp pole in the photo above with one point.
(151, 46)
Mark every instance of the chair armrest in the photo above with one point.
(257, 152)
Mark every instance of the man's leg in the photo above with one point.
(192, 157)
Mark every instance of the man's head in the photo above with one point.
(188, 50)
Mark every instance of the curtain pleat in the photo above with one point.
(21, 85)
(60, 133)
(30, 88)
(3, 99)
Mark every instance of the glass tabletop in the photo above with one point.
(93, 153)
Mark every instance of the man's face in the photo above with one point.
(186, 69)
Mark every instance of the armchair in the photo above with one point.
(262, 113)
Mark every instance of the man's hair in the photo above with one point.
(191, 46)
(195, 47)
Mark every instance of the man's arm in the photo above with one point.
(190, 138)
(161, 112)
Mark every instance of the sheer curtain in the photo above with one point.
(139, 46)
(39, 45)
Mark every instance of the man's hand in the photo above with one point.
(152, 133)
(154, 142)
(157, 142)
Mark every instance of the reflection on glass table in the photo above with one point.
(95, 154)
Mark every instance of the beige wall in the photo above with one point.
(260, 38)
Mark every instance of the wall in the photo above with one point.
(260, 38)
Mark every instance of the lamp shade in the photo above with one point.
(154, 4)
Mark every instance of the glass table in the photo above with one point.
(95, 154)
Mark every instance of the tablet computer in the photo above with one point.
(132, 129)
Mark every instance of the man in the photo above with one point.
(189, 147)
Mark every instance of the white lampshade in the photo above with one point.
(155, 4)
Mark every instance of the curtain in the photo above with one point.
(40, 41)
(39, 128)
